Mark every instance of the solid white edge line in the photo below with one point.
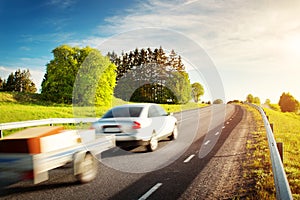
(153, 189)
(189, 158)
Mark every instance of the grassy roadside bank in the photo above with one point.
(258, 165)
(286, 130)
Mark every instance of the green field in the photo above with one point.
(286, 130)
(16, 107)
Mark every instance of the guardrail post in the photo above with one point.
(280, 150)
(279, 144)
(272, 127)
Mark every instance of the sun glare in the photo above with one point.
(293, 45)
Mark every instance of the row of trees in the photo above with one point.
(287, 103)
(148, 75)
(85, 77)
(251, 99)
(20, 81)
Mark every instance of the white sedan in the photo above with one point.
(138, 124)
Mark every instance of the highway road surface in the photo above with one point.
(200, 164)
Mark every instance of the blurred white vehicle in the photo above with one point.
(138, 124)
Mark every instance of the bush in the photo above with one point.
(288, 103)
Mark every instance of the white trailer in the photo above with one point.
(31, 153)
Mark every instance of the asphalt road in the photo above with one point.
(171, 172)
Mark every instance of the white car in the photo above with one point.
(138, 124)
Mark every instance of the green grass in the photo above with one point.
(177, 108)
(258, 164)
(287, 131)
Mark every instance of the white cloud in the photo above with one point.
(94, 42)
(249, 39)
(24, 48)
(5, 71)
(63, 4)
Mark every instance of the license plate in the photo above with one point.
(112, 130)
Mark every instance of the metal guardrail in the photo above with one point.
(283, 191)
(51, 121)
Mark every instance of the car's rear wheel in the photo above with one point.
(174, 135)
(153, 143)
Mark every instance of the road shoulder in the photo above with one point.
(224, 176)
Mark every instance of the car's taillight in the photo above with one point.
(136, 125)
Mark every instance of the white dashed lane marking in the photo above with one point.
(152, 190)
(189, 158)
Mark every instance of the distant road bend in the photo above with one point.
(203, 163)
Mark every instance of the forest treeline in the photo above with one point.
(146, 75)
(20, 81)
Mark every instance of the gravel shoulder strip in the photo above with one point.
(224, 176)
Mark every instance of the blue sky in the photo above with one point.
(254, 44)
(32, 29)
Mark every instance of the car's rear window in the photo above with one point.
(124, 112)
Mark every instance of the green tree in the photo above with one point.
(218, 101)
(95, 81)
(288, 103)
(62, 71)
(57, 85)
(197, 91)
(152, 76)
(181, 86)
(26, 85)
(268, 102)
(250, 98)
(10, 83)
(19, 82)
(256, 100)
(1, 84)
